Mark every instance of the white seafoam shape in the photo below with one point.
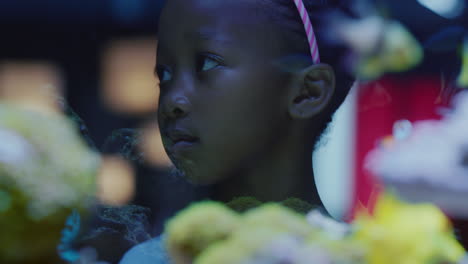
(432, 154)
(444, 8)
(428, 166)
(334, 161)
(14, 149)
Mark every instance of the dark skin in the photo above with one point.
(231, 117)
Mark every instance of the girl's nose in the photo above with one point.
(176, 107)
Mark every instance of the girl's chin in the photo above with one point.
(195, 174)
(199, 178)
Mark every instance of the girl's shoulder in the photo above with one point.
(149, 252)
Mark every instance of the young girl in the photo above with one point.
(245, 93)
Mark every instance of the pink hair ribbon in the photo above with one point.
(309, 31)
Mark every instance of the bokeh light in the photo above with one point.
(116, 181)
(128, 82)
(152, 146)
(445, 8)
(33, 85)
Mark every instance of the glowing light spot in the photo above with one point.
(152, 146)
(14, 149)
(32, 85)
(129, 85)
(445, 8)
(402, 129)
(116, 181)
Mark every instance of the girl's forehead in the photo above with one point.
(214, 11)
(234, 24)
(210, 4)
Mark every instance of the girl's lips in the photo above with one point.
(177, 135)
(181, 141)
(182, 147)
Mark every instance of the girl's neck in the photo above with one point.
(285, 172)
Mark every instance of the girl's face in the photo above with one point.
(223, 101)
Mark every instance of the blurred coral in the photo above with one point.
(463, 77)
(377, 45)
(427, 165)
(406, 234)
(46, 170)
(210, 233)
(197, 227)
(397, 51)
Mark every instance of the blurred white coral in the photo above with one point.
(432, 155)
(14, 149)
(274, 234)
(46, 170)
(188, 233)
(45, 159)
(332, 228)
(266, 246)
(377, 45)
(210, 233)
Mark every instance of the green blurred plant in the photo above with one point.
(46, 169)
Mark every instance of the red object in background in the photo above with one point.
(380, 104)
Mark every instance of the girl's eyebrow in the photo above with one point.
(207, 35)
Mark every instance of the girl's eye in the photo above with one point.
(206, 63)
(164, 74)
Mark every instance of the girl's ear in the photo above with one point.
(312, 90)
